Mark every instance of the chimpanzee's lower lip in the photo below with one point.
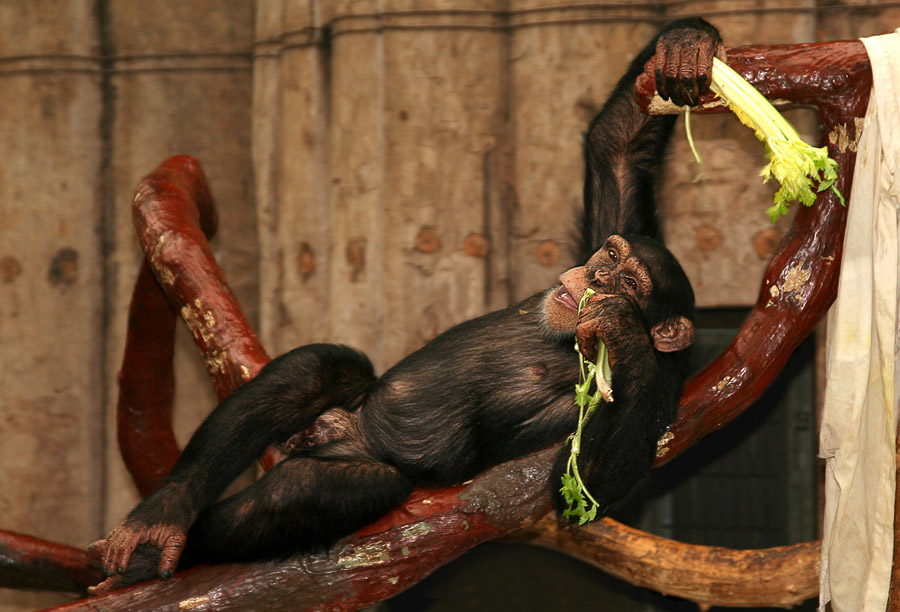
(565, 298)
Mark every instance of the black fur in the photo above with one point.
(487, 390)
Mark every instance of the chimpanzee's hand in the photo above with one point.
(684, 58)
(616, 320)
(159, 547)
(142, 566)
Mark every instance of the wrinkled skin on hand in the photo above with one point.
(134, 552)
(601, 318)
(683, 63)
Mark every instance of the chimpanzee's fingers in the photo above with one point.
(122, 543)
(104, 587)
(691, 75)
(98, 549)
(659, 73)
(171, 552)
(683, 76)
(705, 55)
(673, 74)
(720, 52)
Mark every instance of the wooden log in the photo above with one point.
(780, 577)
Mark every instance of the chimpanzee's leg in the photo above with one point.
(301, 504)
(285, 397)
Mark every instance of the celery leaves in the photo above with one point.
(573, 489)
(802, 170)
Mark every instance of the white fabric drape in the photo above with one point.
(860, 413)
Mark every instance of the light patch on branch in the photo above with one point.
(193, 602)
(371, 554)
(418, 529)
(202, 323)
(795, 280)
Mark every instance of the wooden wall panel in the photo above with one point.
(442, 112)
(291, 156)
(383, 171)
(51, 277)
(856, 18)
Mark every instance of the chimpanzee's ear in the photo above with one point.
(673, 334)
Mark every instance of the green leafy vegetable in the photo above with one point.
(573, 490)
(801, 169)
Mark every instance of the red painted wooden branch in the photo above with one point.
(375, 563)
(432, 528)
(800, 283)
(32, 563)
(147, 386)
(173, 210)
(174, 215)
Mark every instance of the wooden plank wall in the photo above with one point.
(383, 168)
(92, 98)
(51, 276)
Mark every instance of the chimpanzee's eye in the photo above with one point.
(631, 283)
(613, 255)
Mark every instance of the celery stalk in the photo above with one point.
(796, 165)
(573, 489)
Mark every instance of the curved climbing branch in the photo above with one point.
(173, 210)
(432, 528)
(800, 283)
(147, 386)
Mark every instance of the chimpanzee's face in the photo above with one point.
(615, 269)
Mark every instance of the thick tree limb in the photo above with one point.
(709, 575)
(32, 563)
(173, 212)
(432, 528)
(147, 386)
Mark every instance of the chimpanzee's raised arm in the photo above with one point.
(624, 147)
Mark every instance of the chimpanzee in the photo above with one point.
(486, 391)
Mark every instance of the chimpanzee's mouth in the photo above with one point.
(565, 298)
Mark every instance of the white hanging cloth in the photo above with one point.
(859, 425)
